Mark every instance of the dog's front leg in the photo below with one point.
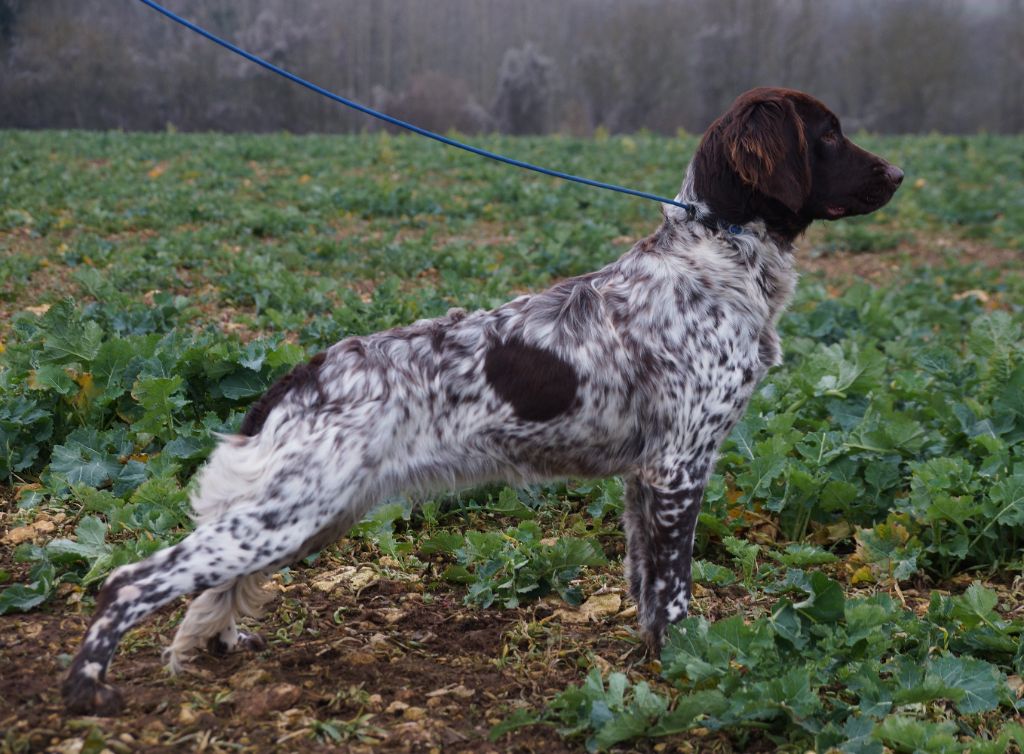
(660, 519)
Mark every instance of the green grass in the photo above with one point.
(183, 274)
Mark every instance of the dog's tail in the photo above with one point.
(235, 471)
(238, 466)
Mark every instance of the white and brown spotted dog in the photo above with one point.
(639, 369)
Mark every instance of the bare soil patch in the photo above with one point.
(392, 666)
(843, 268)
(392, 669)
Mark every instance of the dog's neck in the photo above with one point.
(701, 211)
(748, 258)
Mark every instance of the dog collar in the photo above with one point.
(712, 223)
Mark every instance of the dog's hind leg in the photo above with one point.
(131, 593)
(225, 559)
(282, 513)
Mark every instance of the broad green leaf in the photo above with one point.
(837, 495)
(631, 719)
(285, 355)
(761, 472)
(574, 552)
(905, 734)
(803, 555)
(865, 617)
(509, 504)
(824, 602)
(69, 339)
(891, 545)
(442, 542)
(160, 398)
(787, 624)
(458, 574)
(89, 543)
(81, 464)
(519, 718)
(1005, 503)
(244, 384)
(745, 643)
(25, 597)
(792, 692)
(22, 598)
(25, 429)
(980, 682)
(110, 368)
(55, 378)
(688, 711)
(688, 652)
(705, 572)
(976, 605)
(185, 447)
(855, 737)
(931, 687)
(874, 695)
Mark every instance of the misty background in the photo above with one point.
(518, 66)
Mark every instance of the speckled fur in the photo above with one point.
(639, 369)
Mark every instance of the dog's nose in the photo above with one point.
(894, 174)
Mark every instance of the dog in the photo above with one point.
(639, 369)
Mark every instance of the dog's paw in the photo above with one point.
(241, 641)
(653, 640)
(87, 696)
(218, 647)
(251, 642)
(173, 660)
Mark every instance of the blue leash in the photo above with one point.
(401, 123)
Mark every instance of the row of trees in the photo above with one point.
(528, 66)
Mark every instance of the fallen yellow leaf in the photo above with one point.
(862, 575)
(597, 607)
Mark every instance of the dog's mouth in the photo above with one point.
(872, 195)
(859, 205)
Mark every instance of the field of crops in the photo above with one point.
(860, 583)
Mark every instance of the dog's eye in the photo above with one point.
(831, 136)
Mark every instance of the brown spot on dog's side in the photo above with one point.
(302, 376)
(538, 384)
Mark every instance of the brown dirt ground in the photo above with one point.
(884, 267)
(394, 663)
(428, 673)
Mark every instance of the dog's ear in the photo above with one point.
(765, 144)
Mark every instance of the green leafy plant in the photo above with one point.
(506, 567)
(819, 671)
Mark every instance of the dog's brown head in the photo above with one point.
(780, 155)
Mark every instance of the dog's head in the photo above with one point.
(780, 155)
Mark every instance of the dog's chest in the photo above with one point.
(731, 312)
(716, 333)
